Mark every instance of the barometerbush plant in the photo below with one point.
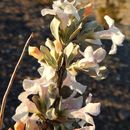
(43, 104)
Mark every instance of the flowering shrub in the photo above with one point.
(43, 106)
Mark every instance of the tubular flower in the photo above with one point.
(92, 58)
(73, 84)
(112, 33)
(63, 10)
(85, 114)
(23, 110)
(35, 52)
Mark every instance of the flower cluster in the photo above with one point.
(55, 100)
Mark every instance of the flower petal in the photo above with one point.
(21, 113)
(30, 86)
(47, 11)
(93, 108)
(72, 103)
(35, 52)
(70, 9)
(73, 84)
(88, 54)
(113, 49)
(99, 54)
(47, 72)
(117, 37)
(109, 21)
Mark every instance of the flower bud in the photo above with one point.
(35, 52)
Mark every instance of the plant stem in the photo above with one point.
(11, 82)
(60, 73)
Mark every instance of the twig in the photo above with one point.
(11, 81)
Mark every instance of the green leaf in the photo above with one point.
(49, 44)
(69, 30)
(48, 57)
(92, 26)
(82, 37)
(103, 72)
(72, 55)
(75, 33)
(36, 100)
(51, 114)
(54, 26)
(68, 50)
(50, 102)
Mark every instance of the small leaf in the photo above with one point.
(47, 56)
(68, 50)
(58, 46)
(92, 26)
(35, 52)
(49, 44)
(51, 114)
(75, 33)
(50, 102)
(54, 26)
(72, 55)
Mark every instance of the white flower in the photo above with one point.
(71, 102)
(73, 84)
(85, 114)
(46, 72)
(23, 110)
(112, 33)
(38, 86)
(63, 10)
(92, 58)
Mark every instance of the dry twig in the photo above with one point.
(10, 83)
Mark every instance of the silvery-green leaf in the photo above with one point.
(69, 30)
(68, 50)
(72, 55)
(49, 44)
(48, 57)
(94, 41)
(75, 33)
(54, 26)
(92, 26)
(50, 102)
(51, 114)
